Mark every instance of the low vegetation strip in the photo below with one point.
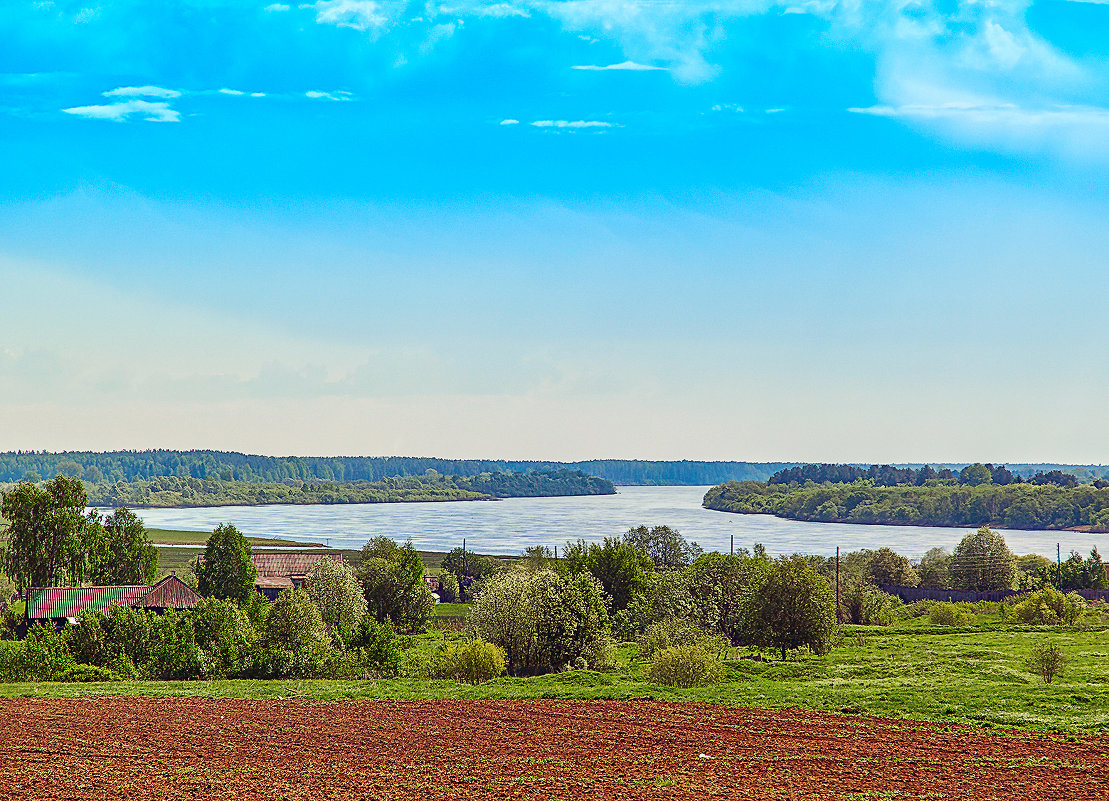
(143, 748)
(1017, 506)
(176, 491)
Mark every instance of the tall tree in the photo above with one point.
(791, 606)
(226, 570)
(126, 555)
(48, 533)
(982, 561)
(337, 593)
(666, 547)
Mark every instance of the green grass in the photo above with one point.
(977, 678)
(451, 610)
(162, 536)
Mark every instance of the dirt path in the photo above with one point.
(160, 748)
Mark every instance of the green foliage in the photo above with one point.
(378, 646)
(623, 571)
(227, 642)
(1013, 505)
(221, 489)
(685, 666)
(226, 570)
(467, 563)
(948, 614)
(50, 541)
(294, 624)
(392, 579)
(791, 606)
(888, 567)
(472, 661)
(719, 586)
(336, 592)
(665, 546)
(866, 605)
(675, 632)
(1046, 661)
(126, 555)
(982, 561)
(43, 655)
(1047, 606)
(933, 569)
(667, 596)
(448, 588)
(1082, 574)
(173, 652)
(543, 621)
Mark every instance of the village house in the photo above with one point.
(59, 605)
(285, 571)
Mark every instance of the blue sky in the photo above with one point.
(595, 228)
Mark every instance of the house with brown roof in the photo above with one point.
(279, 571)
(59, 605)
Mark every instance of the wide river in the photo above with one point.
(509, 526)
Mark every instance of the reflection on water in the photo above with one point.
(508, 526)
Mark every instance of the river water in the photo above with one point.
(508, 526)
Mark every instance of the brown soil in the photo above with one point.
(160, 748)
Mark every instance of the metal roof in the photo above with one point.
(169, 593)
(295, 565)
(44, 603)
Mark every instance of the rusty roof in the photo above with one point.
(44, 603)
(169, 593)
(275, 582)
(295, 565)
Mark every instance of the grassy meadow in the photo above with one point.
(976, 677)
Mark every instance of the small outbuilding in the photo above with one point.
(285, 571)
(59, 605)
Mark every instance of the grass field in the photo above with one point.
(162, 536)
(977, 678)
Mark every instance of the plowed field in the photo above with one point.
(159, 748)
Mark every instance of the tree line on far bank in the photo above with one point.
(1024, 505)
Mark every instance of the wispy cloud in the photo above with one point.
(339, 95)
(361, 15)
(277, 7)
(571, 124)
(125, 110)
(240, 93)
(630, 66)
(510, 122)
(143, 91)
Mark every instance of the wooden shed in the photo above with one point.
(62, 604)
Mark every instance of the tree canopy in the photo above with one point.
(226, 570)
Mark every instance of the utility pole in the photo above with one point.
(837, 585)
(731, 550)
(464, 573)
(1058, 567)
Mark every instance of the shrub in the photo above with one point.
(85, 673)
(1047, 661)
(600, 653)
(225, 637)
(948, 614)
(448, 587)
(377, 645)
(43, 655)
(685, 666)
(678, 631)
(1047, 606)
(472, 661)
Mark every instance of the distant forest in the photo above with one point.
(175, 491)
(128, 466)
(976, 495)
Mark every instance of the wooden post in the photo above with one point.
(837, 585)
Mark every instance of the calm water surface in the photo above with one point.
(509, 526)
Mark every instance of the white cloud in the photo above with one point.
(623, 65)
(120, 112)
(234, 92)
(738, 109)
(510, 122)
(339, 95)
(571, 124)
(143, 91)
(361, 15)
(277, 7)
(257, 94)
